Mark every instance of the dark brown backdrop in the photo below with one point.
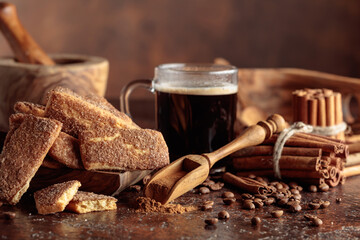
(137, 35)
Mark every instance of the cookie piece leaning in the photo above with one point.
(56, 197)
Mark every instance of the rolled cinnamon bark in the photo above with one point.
(265, 150)
(338, 114)
(286, 173)
(247, 184)
(330, 109)
(321, 117)
(335, 180)
(312, 111)
(352, 171)
(285, 162)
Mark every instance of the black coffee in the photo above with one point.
(193, 123)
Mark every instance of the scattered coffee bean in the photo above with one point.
(277, 213)
(255, 221)
(248, 205)
(260, 179)
(314, 206)
(204, 190)
(294, 191)
(317, 222)
(208, 183)
(292, 184)
(309, 217)
(317, 200)
(206, 207)
(285, 186)
(211, 221)
(257, 200)
(296, 196)
(338, 200)
(325, 204)
(217, 186)
(262, 197)
(258, 204)
(292, 202)
(269, 201)
(300, 188)
(312, 188)
(227, 195)
(247, 196)
(324, 187)
(282, 201)
(295, 208)
(279, 186)
(9, 215)
(223, 215)
(229, 201)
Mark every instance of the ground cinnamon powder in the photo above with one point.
(150, 205)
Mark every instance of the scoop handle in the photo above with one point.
(23, 45)
(252, 136)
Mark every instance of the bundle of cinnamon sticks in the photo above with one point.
(306, 158)
(318, 107)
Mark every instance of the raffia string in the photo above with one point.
(303, 128)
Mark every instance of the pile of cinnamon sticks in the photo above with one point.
(318, 107)
(306, 159)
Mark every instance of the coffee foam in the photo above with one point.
(225, 89)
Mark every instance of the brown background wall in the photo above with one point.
(137, 35)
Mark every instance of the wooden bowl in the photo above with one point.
(31, 82)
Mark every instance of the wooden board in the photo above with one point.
(108, 183)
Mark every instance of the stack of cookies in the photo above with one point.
(72, 131)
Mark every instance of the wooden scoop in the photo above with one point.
(23, 45)
(189, 171)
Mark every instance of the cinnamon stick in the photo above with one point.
(285, 162)
(334, 181)
(330, 109)
(247, 184)
(286, 173)
(265, 150)
(302, 107)
(312, 111)
(338, 114)
(352, 171)
(321, 119)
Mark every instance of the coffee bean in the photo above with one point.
(247, 200)
(260, 179)
(262, 197)
(223, 215)
(227, 195)
(338, 200)
(312, 188)
(1, 203)
(324, 187)
(208, 203)
(282, 201)
(258, 204)
(277, 213)
(294, 191)
(309, 217)
(9, 215)
(269, 201)
(292, 184)
(279, 186)
(229, 201)
(292, 202)
(248, 205)
(295, 208)
(285, 186)
(296, 196)
(314, 206)
(300, 188)
(207, 183)
(211, 221)
(247, 196)
(325, 204)
(204, 190)
(257, 200)
(255, 221)
(317, 200)
(206, 207)
(217, 186)
(317, 222)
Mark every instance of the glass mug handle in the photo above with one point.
(128, 89)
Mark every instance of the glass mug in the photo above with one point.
(195, 105)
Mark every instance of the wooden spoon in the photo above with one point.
(189, 171)
(23, 45)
